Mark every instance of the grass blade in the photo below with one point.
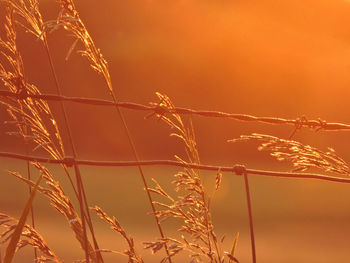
(11, 248)
(234, 245)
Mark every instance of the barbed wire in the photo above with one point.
(236, 169)
(161, 110)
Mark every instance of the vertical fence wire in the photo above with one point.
(250, 215)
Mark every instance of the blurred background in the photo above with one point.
(266, 58)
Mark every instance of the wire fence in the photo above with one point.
(158, 109)
(161, 110)
(70, 20)
(237, 169)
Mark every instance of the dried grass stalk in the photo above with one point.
(32, 118)
(131, 253)
(301, 156)
(29, 237)
(16, 235)
(191, 206)
(69, 20)
(61, 202)
(29, 14)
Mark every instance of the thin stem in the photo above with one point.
(251, 226)
(208, 230)
(81, 192)
(133, 147)
(216, 247)
(293, 133)
(25, 131)
(31, 208)
(132, 144)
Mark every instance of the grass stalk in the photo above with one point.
(136, 156)
(31, 208)
(107, 79)
(81, 192)
(25, 130)
(12, 246)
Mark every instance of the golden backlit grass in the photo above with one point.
(32, 117)
(188, 203)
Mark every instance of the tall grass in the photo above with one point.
(33, 121)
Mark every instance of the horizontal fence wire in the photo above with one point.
(161, 110)
(157, 109)
(236, 169)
